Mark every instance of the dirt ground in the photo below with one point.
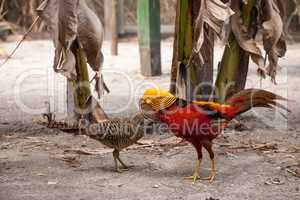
(37, 163)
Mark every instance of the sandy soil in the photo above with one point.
(36, 163)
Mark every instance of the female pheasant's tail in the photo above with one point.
(246, 99)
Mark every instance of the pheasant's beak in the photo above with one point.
(147, 110)
(142, 101)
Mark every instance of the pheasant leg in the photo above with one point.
(213, 172)
(116, 155)
(117, 158)
(195, 175)
(125, 167)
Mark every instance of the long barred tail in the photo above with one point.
(246, 99)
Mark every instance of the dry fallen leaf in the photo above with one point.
(89, 151)
(155, 186)
(273, 181)
(265, 147)
(52, 183)
(41, 174)
(295, 173)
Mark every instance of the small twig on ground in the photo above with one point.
(88, 151)
(264, 147)
(224, 144)
(140, 146)
(231, 155)
(174, 154)
(240, 147)
(20, 42)
(260, 147)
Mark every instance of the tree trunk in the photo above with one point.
(194, 81)
(174, 66)
(233, 68)
(204, 82)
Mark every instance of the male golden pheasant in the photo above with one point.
(199, 122)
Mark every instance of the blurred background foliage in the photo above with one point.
(22, 13)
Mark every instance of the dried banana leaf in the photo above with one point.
(69, 20)
(214, 13)
(273, 41)
(271, 26)
(245, 40)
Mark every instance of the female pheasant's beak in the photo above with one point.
(148, 111)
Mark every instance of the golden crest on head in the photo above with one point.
(158, 99)
(156, 92)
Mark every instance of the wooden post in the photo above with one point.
(107, 16)
(114, 28)
(121, 20)
(148, 12)
(111, 24)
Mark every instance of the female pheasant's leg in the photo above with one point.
(125, 167)
(208, 147)
(116, 155)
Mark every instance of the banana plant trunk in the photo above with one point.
(233, 68)
(86, 106)
(194, 81)
(80, 88)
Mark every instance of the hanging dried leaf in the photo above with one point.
(272, 29)
(68, 22)
(90, 32)
(245, 40)
(67, 33)
(214, 13)
(71, 20)
(273, 42)
(47, 10)
(273, 26)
